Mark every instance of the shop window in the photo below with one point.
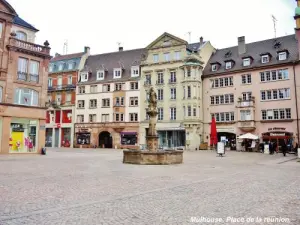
(24, 96)
(66, 137)
(128, 138)
(23, 135)
(67, 116)
(49, 133)
(83, 138)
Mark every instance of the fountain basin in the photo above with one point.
(166, 157)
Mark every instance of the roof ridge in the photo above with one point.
(108, 53)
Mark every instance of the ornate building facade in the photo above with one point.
(23, 84)
(174, 68)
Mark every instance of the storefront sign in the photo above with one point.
(58, 125)
(82, 130)
(276, 128)
(277, 134)
(17, 127)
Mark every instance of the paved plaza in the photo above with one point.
(94, 187)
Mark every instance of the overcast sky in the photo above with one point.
(101, 24)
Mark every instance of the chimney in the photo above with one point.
(120, 49)
(56, 54)
(241, 45)
(201, 41)
(87, 50)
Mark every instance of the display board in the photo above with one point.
(221, 148)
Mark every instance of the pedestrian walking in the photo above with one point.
(284, 148)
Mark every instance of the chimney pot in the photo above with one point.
(201, 40)
(241, 45)
(120, 49)
(87, 50)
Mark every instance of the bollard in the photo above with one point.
(43, 152)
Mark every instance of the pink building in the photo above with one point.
(251, 88)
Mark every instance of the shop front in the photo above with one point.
(227, 134)
(279, 136)
(129, 139)
(171, 138)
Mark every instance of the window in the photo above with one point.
(128, 139)
(155, 58)
(134, 101)
(268, 75)
(117, 73)
(189, 110)
(81, 90)
(134, 85)
(119, 101)
(173, 93)
(92, 118)
(172, 113)
(135, 71)
(160, 95)
(262, 77)
(93, 103)
(247, 96)
(189, 72)
(119, 117)
(1, 29)
(61, 66)
(276, 114)
(100, 75)
(246, 62)
(50, 82)
(118, 86)
(81, 104)
(34, 71)
(189, 92)
(224, 116)
(226, 83)
(194, 112)
(24, 96)
(160, 78)
(276, 94)
(214, 67)
(282, 56)
(68, 97)
(228, 65)
(226, 97)
(22, 69)
(50, 68)
(84, 77)
(58, 98)
(148, 79)
(221, 82)
(245, 115)
(173, 77)
(70, 80)
(147, 116)
(21, 36)
(133, 117)
(70, 65)
(167, 56)
(222, 99)
(106, 87)
(105, 118)
(1, 90)
(93, 89)
(105, 102)
(212, 100)
(80, 118)
(265, 59)
(177, 55)
(246, 79)
(230, 81)
(160, 114)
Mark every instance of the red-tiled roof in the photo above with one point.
(69, 56)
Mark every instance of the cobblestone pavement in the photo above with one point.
(94, 187)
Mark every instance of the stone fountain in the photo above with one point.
(152, 155)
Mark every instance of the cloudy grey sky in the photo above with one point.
(101, 24)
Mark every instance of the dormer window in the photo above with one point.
(84, 77)
(61, 67)
(50, 67)
(135, 71)
(265, 58)
(70, 65)
(282, 56)
(246, 62)
(100, 75)
(214, 67)
(117, 73)
(228, 65)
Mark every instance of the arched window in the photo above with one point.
(21, 36)
(1, 93)
(25, 96)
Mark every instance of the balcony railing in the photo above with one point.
(246, 125)
(160, 82)
(172, 81)
(62, 87)
(22, 75)
(31, 47)
(246, 103)
(147, 82)
(34, 77)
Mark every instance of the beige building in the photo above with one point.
(108, 100)
(250, 88)
(174, 68)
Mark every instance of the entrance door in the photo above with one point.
(56, 138)
(230, 137)
(105, 140)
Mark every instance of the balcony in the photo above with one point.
(34, 78)
(159, 82)
(53, 104)
(147, 83)
(246, 125)
(245, 103)
(29, 48)
(172, 81)
(67, 87)
(22, 75)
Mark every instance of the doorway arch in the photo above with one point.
(105, 140)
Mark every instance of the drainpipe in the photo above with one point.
(297, 113)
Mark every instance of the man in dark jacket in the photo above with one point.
(284, 148)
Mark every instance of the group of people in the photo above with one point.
(284, 147)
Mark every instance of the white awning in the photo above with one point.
(248, 136)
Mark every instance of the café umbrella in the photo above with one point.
(248, 136)
(213, 132)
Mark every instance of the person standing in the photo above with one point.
(284, 148)
(270, 148)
